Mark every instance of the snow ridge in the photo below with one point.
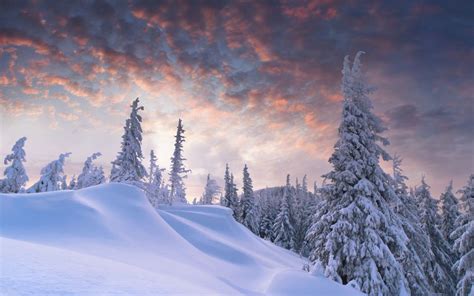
(108, 239)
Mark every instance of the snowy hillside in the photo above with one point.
(109, 240)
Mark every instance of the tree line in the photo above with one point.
(363, 227)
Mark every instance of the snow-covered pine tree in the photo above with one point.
(91, 174)
(268, 214)
(15, 173)
(64, 185)
(248, 206)
(463, 237)
(417, 254)
(438, 270)
(230, 193)
(449, 213)
(72, 183)
(283, 228)
(355, 232)
(178, 172)
(128, 167)
(52, 176)
(154, 186)
(211, 191)
(235, 199)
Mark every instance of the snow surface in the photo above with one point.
(108, 239)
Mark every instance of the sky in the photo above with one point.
(255, 82)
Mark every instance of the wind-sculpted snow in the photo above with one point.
(107, 240)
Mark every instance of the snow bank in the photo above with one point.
(107, 239)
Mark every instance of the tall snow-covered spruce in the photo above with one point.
(15, 173)
(417, 255)
(230, 198)
(449, 213)
(283, 230)
(128, 167)
(355, 232)
(52, 176)
(91, 174)
(463, 237)
(438, 269)
(178, 172)
(248, 207)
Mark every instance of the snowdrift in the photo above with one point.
(108, 239)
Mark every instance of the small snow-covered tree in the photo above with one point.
(15, 173)
(52, 176)
(155, 185)
(449, 213)
(248, 206)
(211, 191)
(283, 228)
(417, 255)
(91, 174)
(355, 233)
(463, 237)
(72, 183)
(178, 171)
(230, 199)
(438, 270)
(128, 167)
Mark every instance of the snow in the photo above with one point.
(108, 239)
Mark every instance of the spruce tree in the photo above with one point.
(52, 176)
(268, 214)
(355, 233)
(72, 183)
(283, 228)
(154, 186)
(449, 213)
(178, 172)
(230, 193)
(438, 270)
(248, 206)
(235, 199)
(211, 191)
(417, 254)
(463, 237)
(127, 167)
(91, 174)
(15, 173)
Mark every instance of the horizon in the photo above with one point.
(254, 84)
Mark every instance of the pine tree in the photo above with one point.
(91, 174)
(463, 237)
(72, 183)
(52, 176)
(230, 193)
(210, 191)
(438, 270)
(248, 206)
(127, 167)
(355, 233)
(449, 213)
(178, 171)
(235, 199)
(417, 254)
(154, 186)
(283, 228)
(268, 214)
(15, 173)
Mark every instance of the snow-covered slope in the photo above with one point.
(109, 240)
